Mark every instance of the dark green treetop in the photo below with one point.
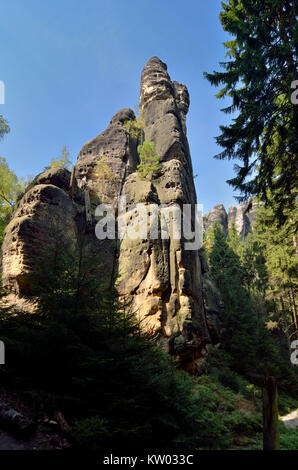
(261, 66)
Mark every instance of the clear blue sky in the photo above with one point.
(70, 65)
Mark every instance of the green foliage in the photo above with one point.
(232, 407)
(102, 175)
(149, 161)
(135, 128)
(4, 127)
(115, 387)
(229, 379)
(279, 245)
(83, 353)
(279, 248)
(10, 189)
(108, 383)
(234, 240)
(91, 431)
(208, 242)
(224, 414)
(260, 67)
(288, 438)
(254, 265)
(243, 273)
(62, 162)
(239, 319)
(102, 171)
(286, 403)
(242, 422)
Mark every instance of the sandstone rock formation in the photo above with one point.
(161, 278)
(217, 214)
(242, 216)
(45, 203)
(166, 284)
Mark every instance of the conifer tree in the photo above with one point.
(261, 66)
(82, 354)
(279, 247)
(234, 240)
(254, 267)
(239, 319)
(149, 160)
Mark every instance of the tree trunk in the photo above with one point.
(293, 316)
(88, 207)
(270, 414)
(294, 240)
(294, 312)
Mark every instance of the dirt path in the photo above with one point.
(291, 420)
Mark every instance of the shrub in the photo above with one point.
(149, 161)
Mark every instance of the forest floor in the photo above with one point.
(47, 435)
(236, 416)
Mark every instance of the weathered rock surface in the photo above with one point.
(217, 214)
(44, 205)
(242, 216)
(160, 276)
(119, 154)
(166, 281)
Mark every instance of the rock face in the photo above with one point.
(217, 214)
(166, 280)
(45, 203)
(242, 216)
(160, 277)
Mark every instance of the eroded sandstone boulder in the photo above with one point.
(44, 206)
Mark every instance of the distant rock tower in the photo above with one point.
(242, 216)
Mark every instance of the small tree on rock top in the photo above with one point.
(149, 161)
(62, 162)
